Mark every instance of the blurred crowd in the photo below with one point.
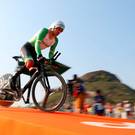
(81, 100)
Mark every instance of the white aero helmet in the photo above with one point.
(57, 24)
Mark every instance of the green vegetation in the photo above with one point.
(114, 90)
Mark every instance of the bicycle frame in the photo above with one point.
(53, 97)
(28, 85)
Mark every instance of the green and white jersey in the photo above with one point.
(41, 41)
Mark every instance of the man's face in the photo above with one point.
(57, 31)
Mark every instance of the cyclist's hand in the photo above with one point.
(41, 59)
(51, 61)
(47, 62)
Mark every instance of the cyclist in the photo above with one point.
(31, 51)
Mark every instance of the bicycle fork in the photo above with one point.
(46, 85)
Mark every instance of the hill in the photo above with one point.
(110, 85)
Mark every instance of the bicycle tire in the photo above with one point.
(62, 99)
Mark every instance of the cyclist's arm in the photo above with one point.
(52, 49)
(38, 41)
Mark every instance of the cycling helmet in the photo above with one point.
(57, 24)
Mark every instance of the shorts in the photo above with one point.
(28, 52)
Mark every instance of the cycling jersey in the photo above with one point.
(41, 41)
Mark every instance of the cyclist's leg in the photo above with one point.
(29, 55)
(24, 53)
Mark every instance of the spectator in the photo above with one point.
(119, 111)
(79, 96)
(76, 78)
(127, 108)
(134, 110)
(70, 87)
(108, 109)
(70, 93)
(98, 105)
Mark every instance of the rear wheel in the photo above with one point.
(6, 99)
(49, 98)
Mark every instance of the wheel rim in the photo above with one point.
(53, 99)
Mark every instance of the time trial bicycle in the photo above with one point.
(46, 87)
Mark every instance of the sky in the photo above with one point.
(99, 34)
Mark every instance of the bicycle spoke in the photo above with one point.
(45, 100)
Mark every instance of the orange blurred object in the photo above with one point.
(5, 103)
(28, 121)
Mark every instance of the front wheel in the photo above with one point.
(49, 98)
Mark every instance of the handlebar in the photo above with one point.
(56, 55)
